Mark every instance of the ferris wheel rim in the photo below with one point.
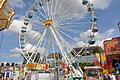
(22, 43)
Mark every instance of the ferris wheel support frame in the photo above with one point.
(56, 35)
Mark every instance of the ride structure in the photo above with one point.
(6, 14)
(56, 24)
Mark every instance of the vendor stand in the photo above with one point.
(92, 72)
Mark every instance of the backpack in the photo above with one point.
(7, 73)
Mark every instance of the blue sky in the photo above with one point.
(108, 17)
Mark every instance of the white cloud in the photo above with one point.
(16, 52)
(99, 37)
(84, 36)
(101, 4)
(15, 28)
(31, 48)
(110, 32)
(11, 55)
(17, 3)
(80, 44)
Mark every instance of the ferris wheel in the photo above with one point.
(56, 27)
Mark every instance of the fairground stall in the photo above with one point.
(90, 62)
(112, 52)
(38, 71)
(92, 72)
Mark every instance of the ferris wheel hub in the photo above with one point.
(48, 23)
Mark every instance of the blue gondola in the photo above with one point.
(91, 42)
(84, 2)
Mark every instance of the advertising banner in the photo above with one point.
(111, 46)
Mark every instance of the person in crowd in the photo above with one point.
(106, 77)
(7, 74)
(16, 74)
(1, 74)
(112, 76)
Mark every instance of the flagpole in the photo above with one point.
(119, 26)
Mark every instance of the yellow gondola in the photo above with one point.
(6, 14)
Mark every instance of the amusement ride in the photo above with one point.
(57, 25)
(6, 14)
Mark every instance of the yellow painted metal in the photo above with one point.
(32, 66)
(2, 3)
(6, 14)
(48, 23)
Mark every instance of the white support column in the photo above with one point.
(60, 46)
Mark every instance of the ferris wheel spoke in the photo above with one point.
(55, 7)
(48, 10)
(49, 44)
(42, 38)
(70, 49)
(38, 44)
(70, 25)
(39, 18)
(36, 37)
(73, 20)
(75, 41)
(38, 28)
(43, 11)
(53, 47)
(78, 23)
(67, 35)
(42, 46)
(51, 7)
(58, 9)
(66, 17)
(70, 30)
(64, 44)
(42, 14)
(34, 21)
(60, 46)
(85, 45)
(62, 11)
(52, 43)
(65, 13)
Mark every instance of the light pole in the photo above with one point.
(119, 26)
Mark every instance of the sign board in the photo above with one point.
(37, 66)
(112, 45)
